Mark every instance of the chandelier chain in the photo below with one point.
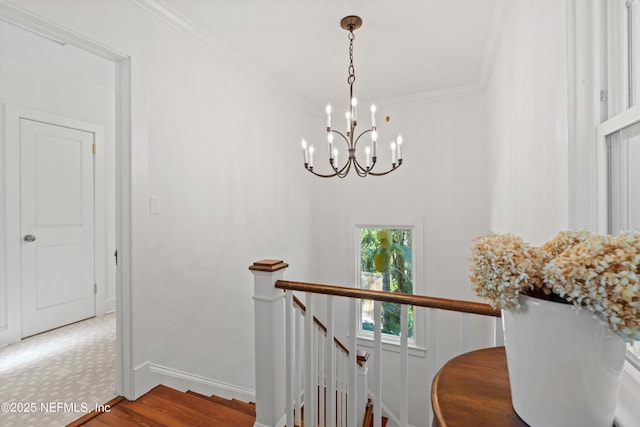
(352, 70)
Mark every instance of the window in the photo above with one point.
(386, 264)
(387, 256)
(618, 190)
(623, 201)
(633, 37)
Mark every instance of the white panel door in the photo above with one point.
(56, 201)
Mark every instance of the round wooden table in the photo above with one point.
(473, 390)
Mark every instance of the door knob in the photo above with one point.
(29, 238)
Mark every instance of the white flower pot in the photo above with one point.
(565, 365)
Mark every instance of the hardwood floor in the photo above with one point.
(164, 406)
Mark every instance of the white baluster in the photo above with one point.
(498, 334)
(331, 365)
(321, 375)
(404, 366)
(289, 355)
(299, 365)
(464, 332)
(377, 364)
(432, 353)
(345, 387)
(309, 400)
(352, 409)
(339, 373)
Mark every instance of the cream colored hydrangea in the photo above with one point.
(500, 267)
(565, 240)
(601, 274)
(554, 247)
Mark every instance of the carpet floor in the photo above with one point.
(53, 378)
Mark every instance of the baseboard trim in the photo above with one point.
(184, 381)
(281, 423)
(142, 380)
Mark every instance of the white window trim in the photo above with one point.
(616, 123)
(626, 412)
(417, 344)
(611, 126)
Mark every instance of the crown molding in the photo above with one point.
(434, 95)
(29, 21)
(182, 24)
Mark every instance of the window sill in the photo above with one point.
(394, 347)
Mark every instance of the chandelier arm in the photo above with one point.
(360, 171)
(358, 167)
(342, 135)
(321, 175)
(345, 169)
(389, 171)
(360, 136)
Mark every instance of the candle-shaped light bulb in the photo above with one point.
(304, 150)
(373, 115)
(374, 138)
(399, 140)
(330, 139)
(354, 104)
(311, 156)
(328, 109)
(393, 153)
(335, 158)
(367, 154)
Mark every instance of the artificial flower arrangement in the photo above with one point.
(598, 273)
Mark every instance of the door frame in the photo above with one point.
(12, 116)
(126, 354)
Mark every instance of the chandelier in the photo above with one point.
(352, 23)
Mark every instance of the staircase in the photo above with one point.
(164, 406)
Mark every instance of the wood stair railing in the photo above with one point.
(417, 300)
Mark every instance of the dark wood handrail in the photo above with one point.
(417, 300)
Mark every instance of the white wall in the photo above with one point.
(527, 119)
(224, 162)
(41, 75)
(218, 147)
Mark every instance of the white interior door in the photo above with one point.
(57, 225)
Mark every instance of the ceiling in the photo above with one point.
(405, 48)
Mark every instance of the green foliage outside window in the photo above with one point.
(387, 253)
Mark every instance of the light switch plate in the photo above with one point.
(154, 205)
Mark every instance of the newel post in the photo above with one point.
(269, 342)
